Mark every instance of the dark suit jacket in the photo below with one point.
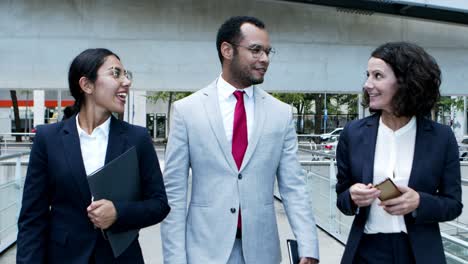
(435, 175)
(53, 225)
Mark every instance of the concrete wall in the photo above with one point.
(445, 4)
(38, 107)
(5, 120)
(170, 45)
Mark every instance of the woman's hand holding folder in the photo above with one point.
(102, 213)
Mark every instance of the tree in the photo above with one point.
(304, 102)
(318, 100)
(445, 104)
(14, 100)
(300, 101)
(168, 97)
(350, 100)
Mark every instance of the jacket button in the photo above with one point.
(239, 176)
(233, 210)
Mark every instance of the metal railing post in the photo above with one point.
(332, 182)
(18, 185)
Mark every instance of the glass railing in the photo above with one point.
(12, 171)
(8, 144)
(321, 181)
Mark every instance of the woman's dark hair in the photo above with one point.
(86, 64)
(68, 112)
(418, 78)
(230, 31)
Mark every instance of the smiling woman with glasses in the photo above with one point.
(60, 222)
(120, 74)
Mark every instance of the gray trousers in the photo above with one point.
(236, 257)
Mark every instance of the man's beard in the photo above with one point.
(242, 75)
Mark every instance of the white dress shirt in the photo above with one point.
(94, 146)
(394, 153)
(227, 104)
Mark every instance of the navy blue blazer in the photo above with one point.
(435, 175)
(53, 225)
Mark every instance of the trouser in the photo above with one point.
(393, 248)
(236, 257)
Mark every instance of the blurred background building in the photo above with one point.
(322, 48)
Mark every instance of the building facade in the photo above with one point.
(170, 46)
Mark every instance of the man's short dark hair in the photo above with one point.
(418, 78)
(230, 31)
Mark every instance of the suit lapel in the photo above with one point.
(211, 105)
(72, 152)
(117, 142)
(260, 115)
(369, 141)
(420, 149)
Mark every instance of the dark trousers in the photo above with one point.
(384, 249)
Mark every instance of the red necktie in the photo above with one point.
(239, 136)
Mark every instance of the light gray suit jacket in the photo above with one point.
(204, 232)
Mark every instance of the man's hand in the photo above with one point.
(404, 204)
(308, 261)
(102, 213)
(363, 195)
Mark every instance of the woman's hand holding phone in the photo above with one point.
(363, 195)
(404, 204)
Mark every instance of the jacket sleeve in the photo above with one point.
(153, 207)
(446, 204)
(33, 222)
(293, 189)
(344, 179)
(176, 179)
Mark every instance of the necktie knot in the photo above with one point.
(239, 95)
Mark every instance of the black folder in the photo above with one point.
(118, 180)
(293, 251)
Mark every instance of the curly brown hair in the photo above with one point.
(418, 78)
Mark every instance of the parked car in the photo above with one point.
(330, 147)
(31, 137)
(327, 136)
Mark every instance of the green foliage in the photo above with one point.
(166, 96)
(350, 100)
(301, 101)
(446, 102)
(304, 102)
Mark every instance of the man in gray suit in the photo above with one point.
(236, 139)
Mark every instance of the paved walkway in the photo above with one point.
(150, 239)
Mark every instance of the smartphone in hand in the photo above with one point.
(388, 190)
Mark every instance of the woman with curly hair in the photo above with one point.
(398, 142)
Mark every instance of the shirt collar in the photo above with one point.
(411, 125)
(102, 128)
(225, 89)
